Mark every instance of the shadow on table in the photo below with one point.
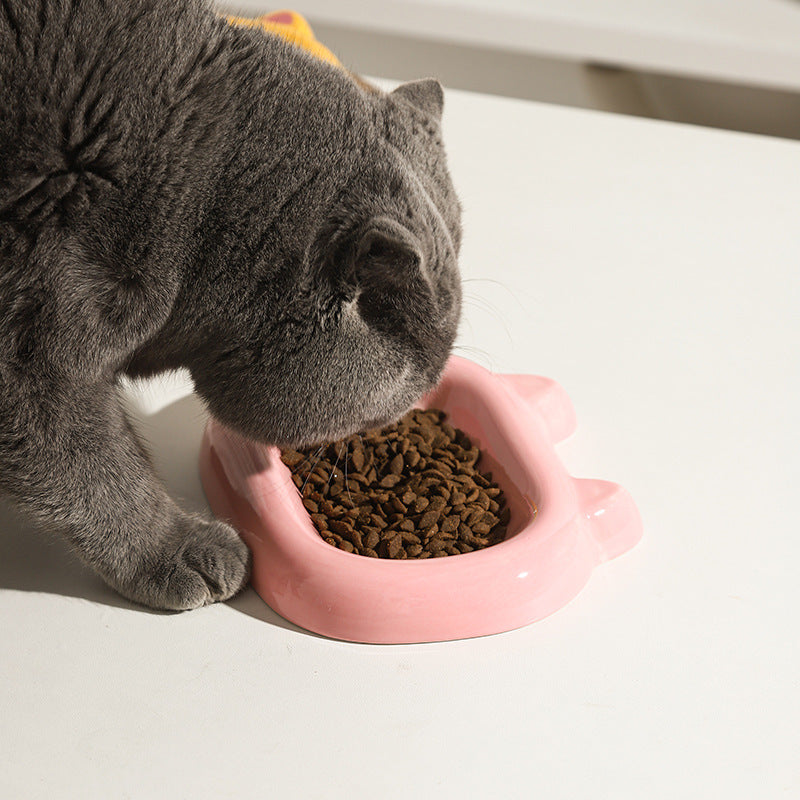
(248, 602)
(34, 560)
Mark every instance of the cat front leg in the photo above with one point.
(75, 462)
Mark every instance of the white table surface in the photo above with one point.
(653, 270)
(755, 42)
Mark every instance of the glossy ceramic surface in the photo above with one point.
(545, 560)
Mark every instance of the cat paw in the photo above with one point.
(209, 562)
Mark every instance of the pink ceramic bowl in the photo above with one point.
(545, 560)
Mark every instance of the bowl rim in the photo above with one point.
(527, 435)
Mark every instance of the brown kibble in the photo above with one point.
(450, 524)
(321, 521)
(327, 508)
(428, 519)
(341, 527)
(396, 504)
(377, 521)
(411, 458)
(389, 548)
(396, 464)
(429, 533)
(483, 501)
(414, 490)
(357, 460)
(292, 458)
(439, 441)
(469, 456)
(394, 547)
(474, 516)
(420, 504)
(371, 539)
(499, 533)
(437, 502)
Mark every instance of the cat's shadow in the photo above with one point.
(36, 560)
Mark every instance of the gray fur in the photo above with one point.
(175, 192)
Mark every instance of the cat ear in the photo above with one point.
(427, 95)
(387, 251)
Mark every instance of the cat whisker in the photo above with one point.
(346, 447)
(311, 470)
(307, 459)
(514, 296)
(487, 307)
(477, 350)
(333, 471)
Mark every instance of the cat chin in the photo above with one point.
(389, 413)
(335, 435)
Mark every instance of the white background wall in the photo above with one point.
(724, 63)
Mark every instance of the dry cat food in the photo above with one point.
(410, 490)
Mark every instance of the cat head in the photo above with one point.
(358, 322)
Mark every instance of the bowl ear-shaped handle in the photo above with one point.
(548, 399)
(613, 519)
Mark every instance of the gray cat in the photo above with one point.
(176, 192)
